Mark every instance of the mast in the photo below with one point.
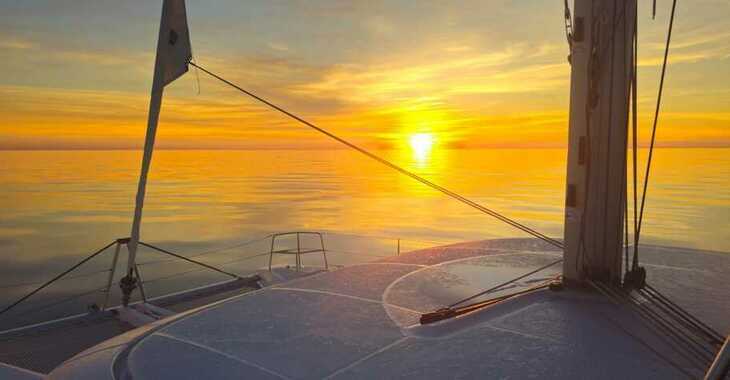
(173, 56)
(601, 71)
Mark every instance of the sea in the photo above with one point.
(222, 206)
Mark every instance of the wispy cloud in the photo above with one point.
(375, 72)
(16, 43)
(278, 46)
(511, 70)
(32, 51)
(691, 47)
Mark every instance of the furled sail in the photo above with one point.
(173, 44)
(173, 56)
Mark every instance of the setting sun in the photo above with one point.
(351, 189)
(421, 144)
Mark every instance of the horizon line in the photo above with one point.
(91, 149)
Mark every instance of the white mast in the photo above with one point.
(602, 64)
(173, 55)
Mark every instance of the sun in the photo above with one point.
(421, 144)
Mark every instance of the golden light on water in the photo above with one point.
(421, 145)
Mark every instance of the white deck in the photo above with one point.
(361, 322)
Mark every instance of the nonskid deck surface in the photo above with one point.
(41, 351)
(43, 348)
(361, 322)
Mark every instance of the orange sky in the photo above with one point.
(483, 74)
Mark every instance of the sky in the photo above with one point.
(385, 74)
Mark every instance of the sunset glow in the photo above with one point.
(421, 144)
(457, 145)
(370, 73)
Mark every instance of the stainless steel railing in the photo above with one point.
(298, 252)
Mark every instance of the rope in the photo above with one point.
(688, 340)
(646, 345)
(492, 289)
(686, 323)
(388, 163)
(653, 129)
(648, 322)
(448, 312)
(701, 351)
(607, 168)
(707, 330)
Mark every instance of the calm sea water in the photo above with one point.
(58, 206)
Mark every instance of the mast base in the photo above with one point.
(127, 284)
(635, 278)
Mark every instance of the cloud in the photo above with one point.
(386, 70)
(103, 58)
(277, 46)
(720, 52)
(701, 44)
(34, 52)
(96, 119)
(16, 43)
(519, 68)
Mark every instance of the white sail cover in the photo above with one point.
(173, 45)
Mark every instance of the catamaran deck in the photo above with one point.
(362, 321)
(44, 347)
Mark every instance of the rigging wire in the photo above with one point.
(391, 165)
(607, 169)
(49, 282)
(210, 252)
(653, 130)
(82, 275)
(162, 250)
(624, 177)
(383, 237)
(177, 274)
(632, 93)
(634, 131)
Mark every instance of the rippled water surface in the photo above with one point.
(58, 206)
